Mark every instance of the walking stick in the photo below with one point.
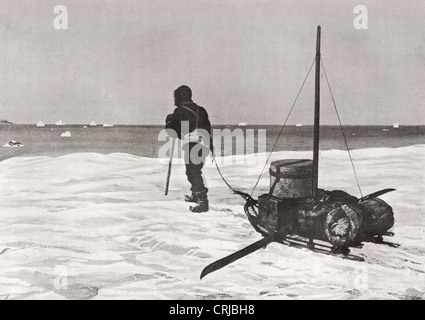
(169, 166)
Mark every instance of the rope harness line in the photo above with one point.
(342, 129)
(246, 196)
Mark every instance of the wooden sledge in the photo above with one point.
(296, 213)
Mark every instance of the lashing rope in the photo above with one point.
(248, 197)
(283, 126)
(342, 129)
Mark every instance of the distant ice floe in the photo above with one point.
(85, 127)
(66, 134)
(60, 123)
(13, 144)
(93, 124)
(107, 125)
(40, 124)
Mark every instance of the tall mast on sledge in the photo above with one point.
(316, 118)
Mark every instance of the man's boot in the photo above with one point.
(191, 198)
(202, 203)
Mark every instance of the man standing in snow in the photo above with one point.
(195, 144)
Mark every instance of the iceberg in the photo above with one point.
(66, 134)
(242, 124)
(40, 124)
(93, 124)
(299, 125)
(396, 125)
(60, 123)
(13, 144)
(107, 125)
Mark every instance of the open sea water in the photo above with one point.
(143, 140)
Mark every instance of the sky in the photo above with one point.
(120, 61)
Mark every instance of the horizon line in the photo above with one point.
(213, 125)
